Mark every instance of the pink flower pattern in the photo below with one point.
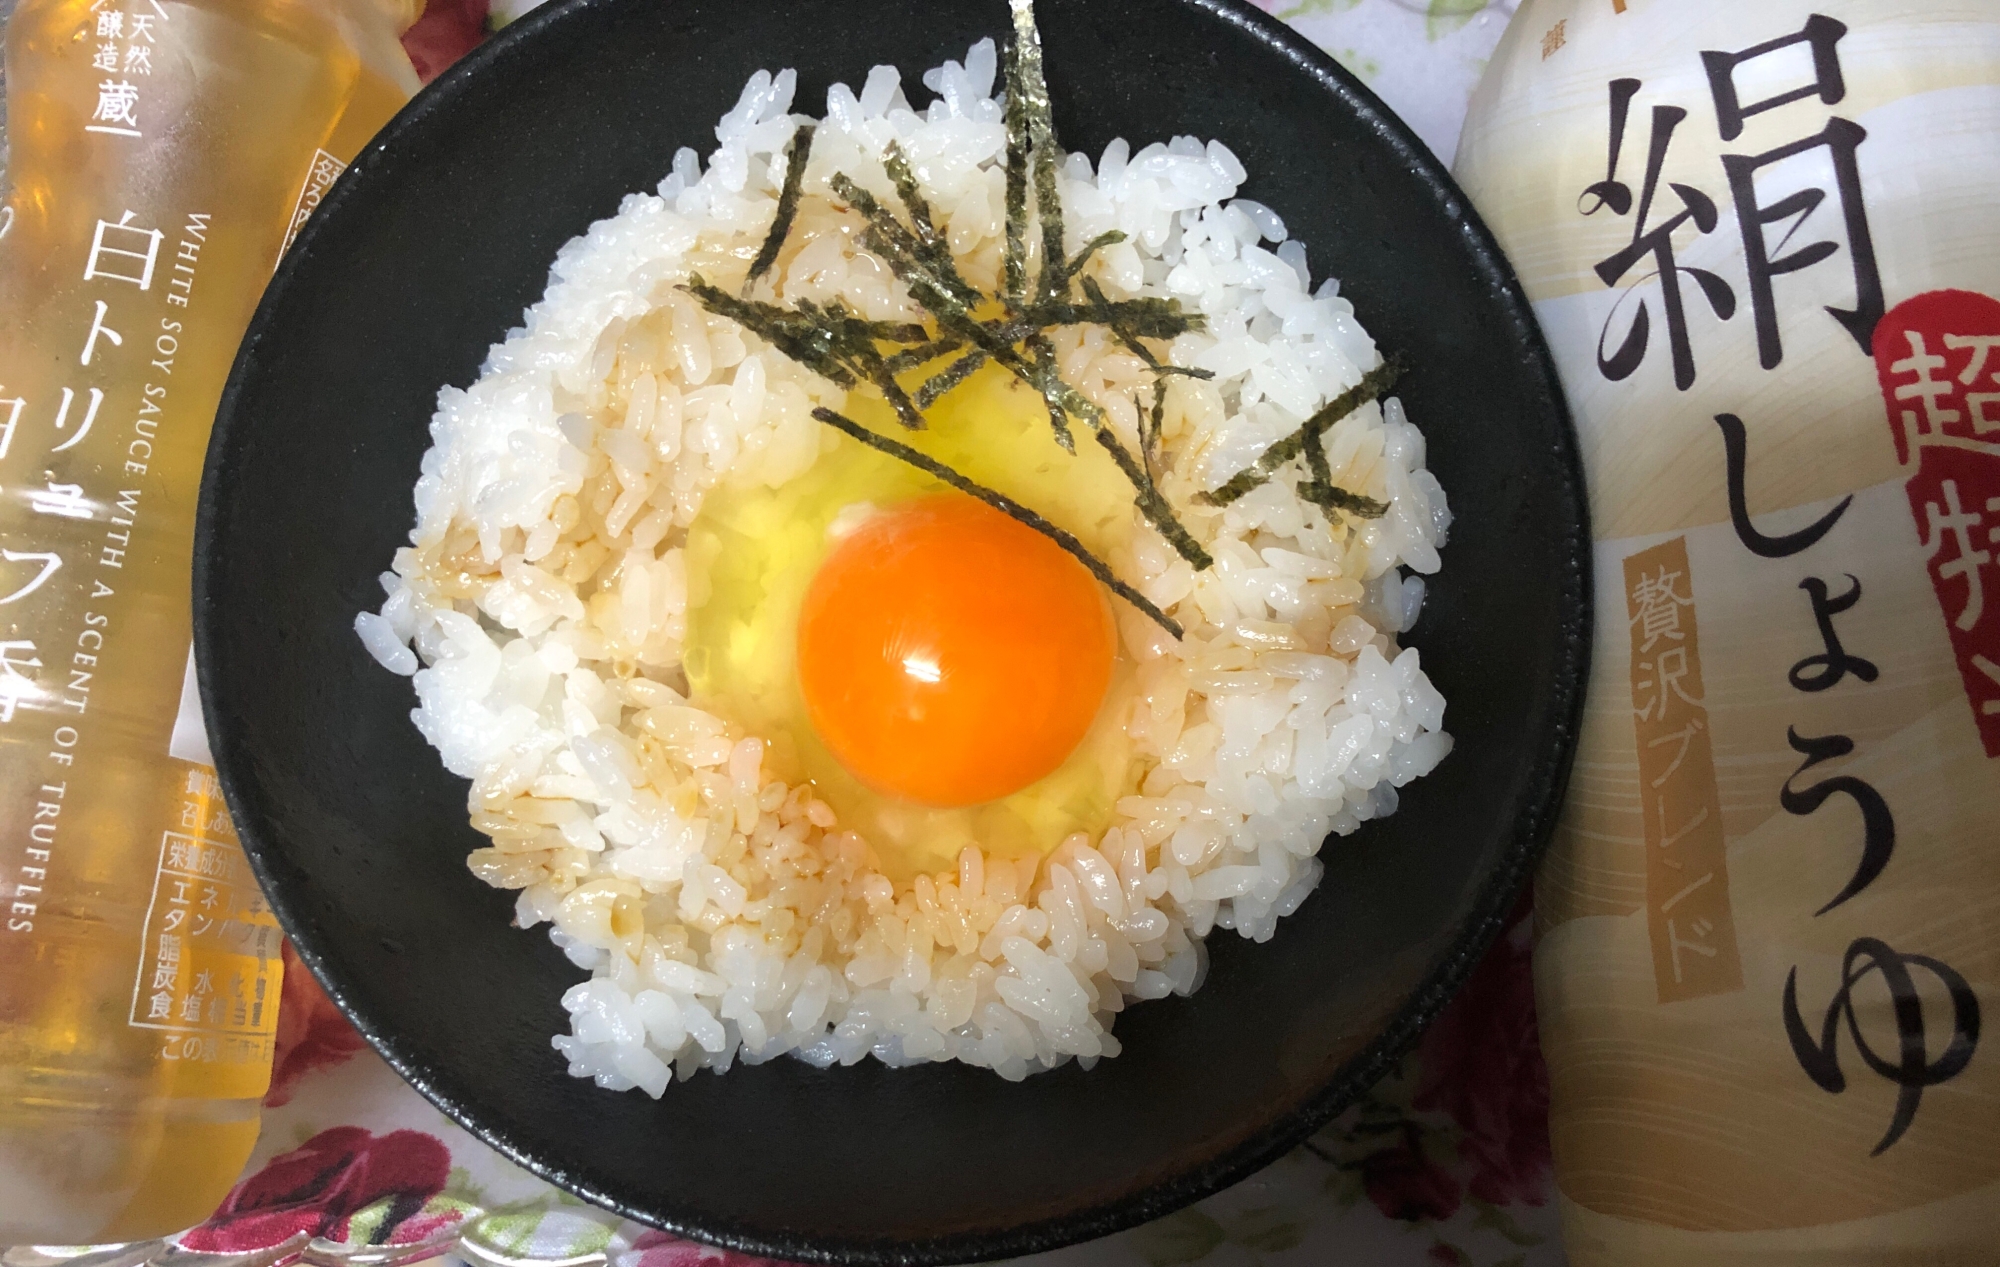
(318, 1187)
(312, 1034)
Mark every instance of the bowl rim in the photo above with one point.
(1489, 911)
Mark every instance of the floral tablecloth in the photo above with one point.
(1446, 1162)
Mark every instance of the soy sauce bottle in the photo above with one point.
(1760, 240)
(163, 155)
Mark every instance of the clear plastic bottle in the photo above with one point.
(163, 153)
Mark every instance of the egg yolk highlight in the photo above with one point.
(949, 655)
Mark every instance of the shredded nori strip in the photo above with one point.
(906, 409)
(1107, 314)
(932, 247)
(1020, 143)
(951, 376)
(1321, 491)
(1091, 248)
(844, 348)
(811, 343)
(1329, 496)
(1307, 438)
(936, 266)
(1049, 384)
(1149, 428)
(1048, 209)
(1153, 504)
(1037, 134)
(922, 354)
(1146, 317)
(788, 205)
(897, 164)
(887, 239)
(1006, 506)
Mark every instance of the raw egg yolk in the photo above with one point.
(950, 655)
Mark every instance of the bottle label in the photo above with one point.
(1690, 923)
(189, 741)
(1934, 355)
(1760, 994)
(320, 176)
(123, 46)
(209, 971)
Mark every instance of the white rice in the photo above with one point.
(723, 915)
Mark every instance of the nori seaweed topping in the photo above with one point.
(931, 245)
(895, 243)
(1006, 506)
(1111, 316)
(812, 343)
(1149, 427)
(1307, 442)
(949, 377)
(922, 354)
(1049, 383)
(1329, 496)
(788, 205)
(1153, 504)
(1020, 145)
(846, 349)
(1092, 247)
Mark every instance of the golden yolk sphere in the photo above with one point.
(949, 655)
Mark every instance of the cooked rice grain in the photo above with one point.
(723, 915)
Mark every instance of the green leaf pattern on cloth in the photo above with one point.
(1421, 57)
(1316, 8)
(1185, 1236)
(541, 1231)
(1445, 16)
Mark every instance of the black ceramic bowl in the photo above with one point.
(426, 253)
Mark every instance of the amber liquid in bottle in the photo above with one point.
(162, 154)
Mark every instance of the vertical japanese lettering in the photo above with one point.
(43, 565)
(1688, 914)
(1735, 446)
(211, 963)
(99, 329)
(13, 410)
(64, 500)
(1612, 192)
(1821, 35)
(1913, 1069)
(320, 176)
(117, 103)
(1940, 377)
(1655, 244)
(1826, 670)
(1978, 404)
(16, 686)
(1841, 140)
(62, 419)
(1954, 541)
(123, 252)
(1878, 825)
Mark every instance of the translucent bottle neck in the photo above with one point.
(6, 214)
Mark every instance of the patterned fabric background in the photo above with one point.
(1446, 1162)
